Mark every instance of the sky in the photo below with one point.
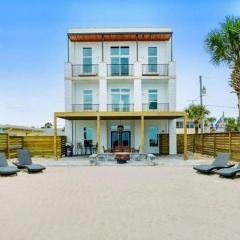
(33, 49)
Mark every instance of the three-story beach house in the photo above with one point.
(120, 89)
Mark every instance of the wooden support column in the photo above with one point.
(55, 137)
(185, 138)
(98, 134)
(142, 134)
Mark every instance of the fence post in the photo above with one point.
(193, 141)
(8, 146)
(230, 144)
(214, 144)
(202, 135)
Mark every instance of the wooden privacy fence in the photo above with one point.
(37, 145)
(212, 143)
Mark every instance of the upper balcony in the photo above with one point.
(146, 107)
(85, 107)
(155, 70)
(155, 107)
(120, 107)
(120, 70)
(79, 70)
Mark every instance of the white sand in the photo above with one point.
(129, 203)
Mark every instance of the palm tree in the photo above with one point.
(230, 124)
(196, 113)
(224, 47)
(47, 125)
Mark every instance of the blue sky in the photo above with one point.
(33, 49)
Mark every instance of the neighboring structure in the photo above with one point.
(120, 88)
(50, 132)
(15, 130)
(190, 127)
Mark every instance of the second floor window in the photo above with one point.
(120, 99)
(119, 61)
(152, 98)
(87, 99)
(87, 60)
(152, 59)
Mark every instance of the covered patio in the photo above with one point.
(99, 116)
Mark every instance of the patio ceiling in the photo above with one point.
(111, 37)
(118, 115)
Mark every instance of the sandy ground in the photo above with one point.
(115, 203)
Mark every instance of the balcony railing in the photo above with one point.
(85, 107)
(84, 70)
(120, 107)
(155, 107)
(120, 69)
(155, 69)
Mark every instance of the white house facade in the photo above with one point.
(120, 89)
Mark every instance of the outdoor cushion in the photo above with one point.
(4, 168)
(8, 170)
(24, 157)
(219, 162)
(35, 167)
(25, 161)
(204, 168)
(3, 161)
(229, 172)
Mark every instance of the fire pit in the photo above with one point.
(122, 157)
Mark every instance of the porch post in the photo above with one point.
(185, 137)
(142, 134)
(55, 136)
(98, 135)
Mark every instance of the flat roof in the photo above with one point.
(118, 30)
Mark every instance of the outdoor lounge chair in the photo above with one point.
(4, 168)
(229, 172)
(219, 162)
(25, 161)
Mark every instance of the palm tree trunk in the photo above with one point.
(238, 96)
(235, 84)
(196, 127)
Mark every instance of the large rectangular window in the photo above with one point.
(152, 99)
(120, 99)
(152, 59)
(87, 100)
(119, 61)
(87, 60)
(88, 136)
(153, 136)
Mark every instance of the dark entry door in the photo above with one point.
(122, 139)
